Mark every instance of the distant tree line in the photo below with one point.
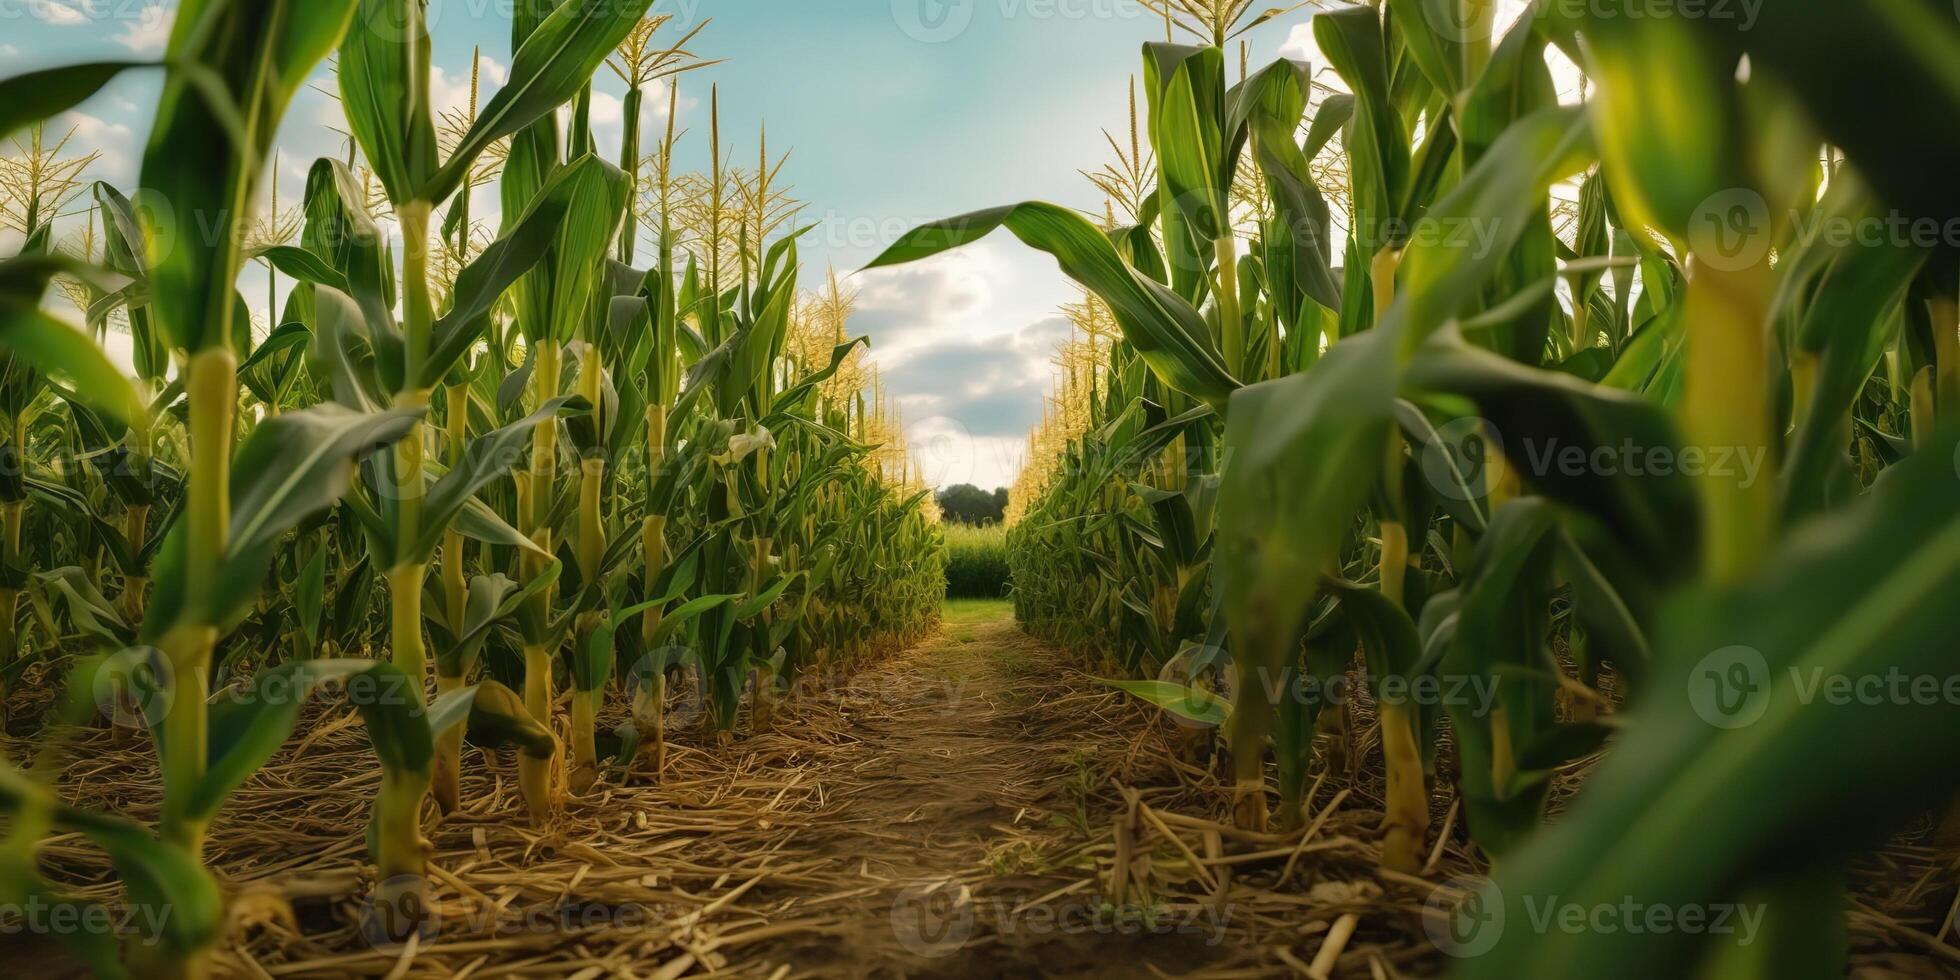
(964, 503)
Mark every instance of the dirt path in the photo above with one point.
(938, 813)
(963, 777)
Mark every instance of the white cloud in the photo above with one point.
(149, 31)
(116, 142)
(64, 13)
(949, 454)
(964, 342)
(607, 110)
(1299, 44)
(449, 90)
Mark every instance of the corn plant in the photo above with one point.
(1377, 491)
(247, 546)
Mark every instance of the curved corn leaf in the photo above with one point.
(497, 717)
(485, 459)
(1194, 704)
(205, 153)
(1664, 167)
(54, 348)
(36, 95)
(384, 88)
(290, 468)
(248, 726)
(165, 882)
(1555, 429)
(1275, 100)
(502, 263)
(492, 600)
(554, 62)
(1737, 713)
(1166, 331)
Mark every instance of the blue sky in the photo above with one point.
(896, 112)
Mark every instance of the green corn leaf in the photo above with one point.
(497, 717)
(1333, 116)
(290, 468)
(754, 605)
(1737, 713)
(390, 703)
(248, 726)
(37, 95)
(52, 347)
(1377, 145)
(340, 230)
(87, 608)
(478, 522)
(205, 153)
(1500, 626)
(302, 264)
(1166, 331)
(341, 351)
(1596, 449)
(1843, 327)
(167, 883)
(502, 263)
(551, 66)
(1193, 704)
(1516, 85)
(1304, 452)
(1447, 39)
(1275, 100)
(485, 459)
(1667, 167)
(384, 78)
(493, 599)
(686, 612)
(311, 595)
(595, 194)
(1442, 274)
(1388, 636)
(1196, 155)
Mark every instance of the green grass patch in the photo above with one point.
(973, 612)
(976, 562)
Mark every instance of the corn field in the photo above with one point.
(1577, 386)
(456, 469)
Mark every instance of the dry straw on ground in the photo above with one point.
(971, 807)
